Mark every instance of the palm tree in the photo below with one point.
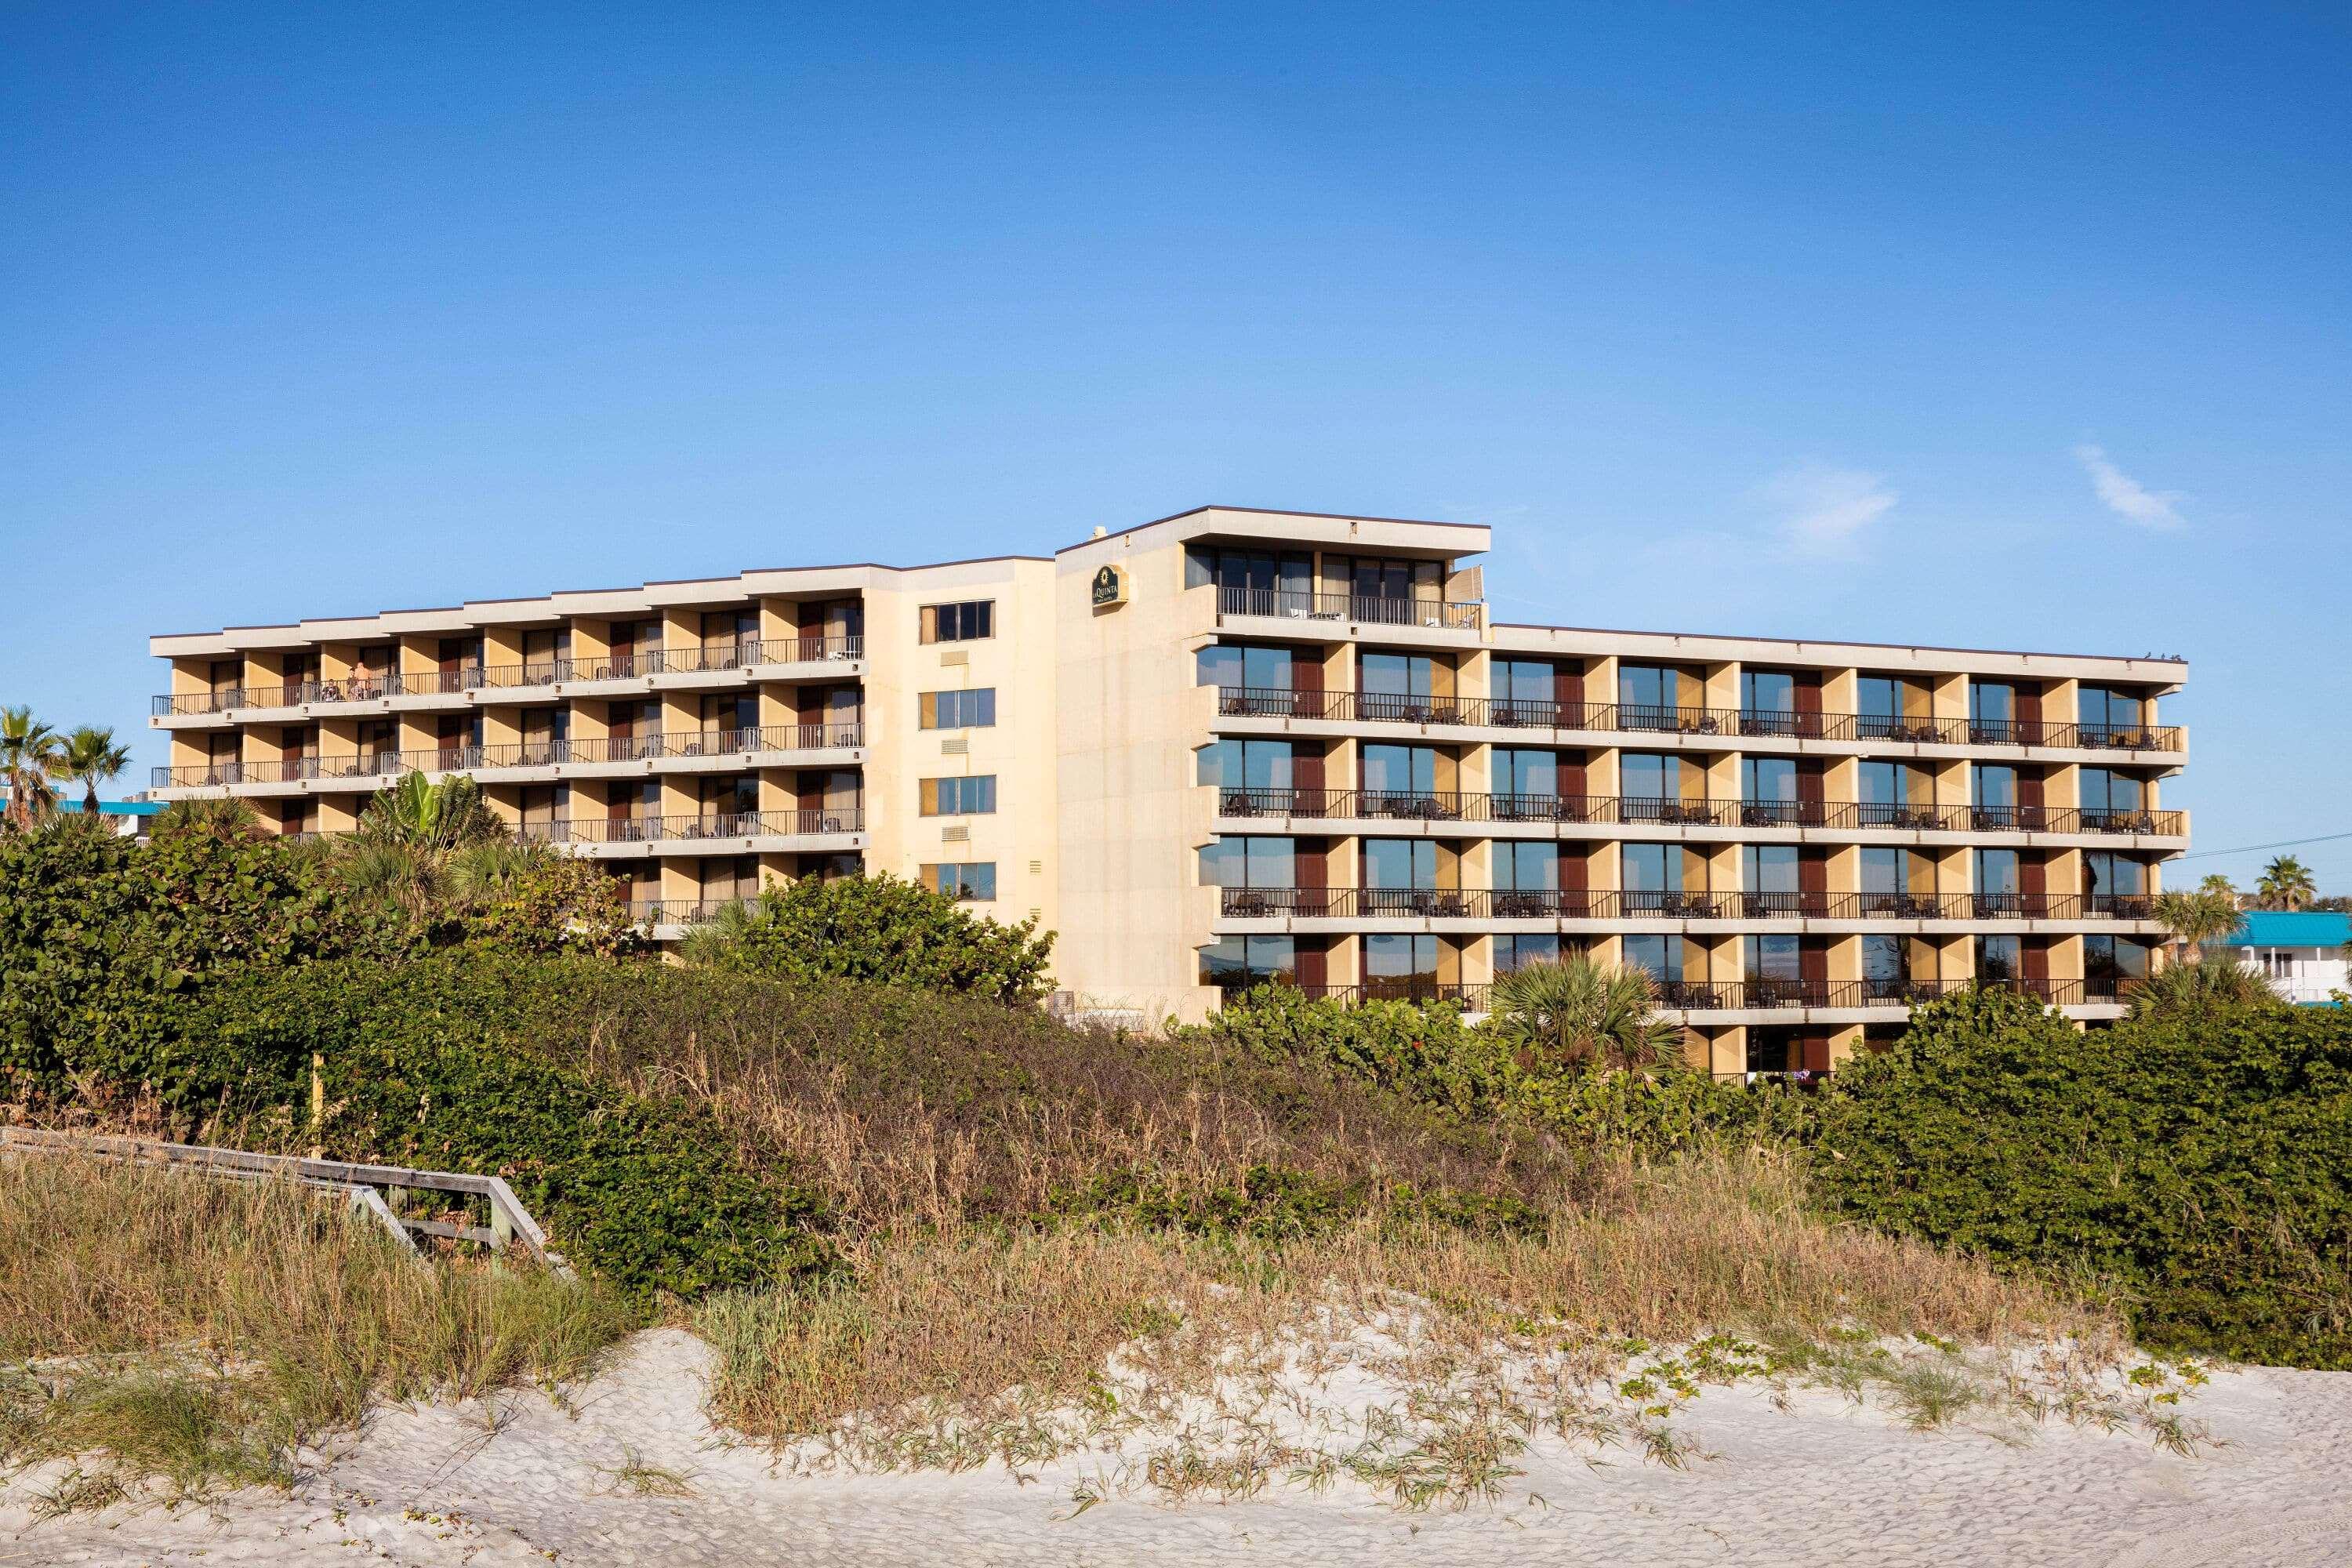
(2200, 919)
(1582, 1013)
(29, 754)
(91, 755)
(2181, 986)
(2286, 884)
(436, 817)
(224, 817)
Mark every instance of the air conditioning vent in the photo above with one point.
(958, 835)
(955, 747)
(954, 657)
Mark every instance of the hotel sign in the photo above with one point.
(1110, 586)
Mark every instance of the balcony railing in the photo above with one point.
(469, 758)
(1725, 995)
(1640, 904)
(684, 911)
(1391, 988)
(718, 824)
(1520, 713)
(1453, 806)
(1285, 604)
(374, 688)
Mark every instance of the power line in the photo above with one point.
(2251, 848)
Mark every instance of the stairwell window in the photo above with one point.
(969, 621)
(971, 795)
(970, 709)
(971, 880)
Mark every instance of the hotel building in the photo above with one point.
(1233, 745)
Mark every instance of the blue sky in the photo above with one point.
(2021, 327)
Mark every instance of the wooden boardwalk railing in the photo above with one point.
(363, 1185)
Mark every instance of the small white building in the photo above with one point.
(2301, 954)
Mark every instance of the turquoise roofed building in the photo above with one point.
(2302, 954)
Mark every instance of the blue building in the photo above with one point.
(2301, 954)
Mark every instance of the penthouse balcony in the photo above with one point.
(1446, 808)
(1725, 724)
(711, 658)
(720, 748)
(1351, 609)
(1577, 904)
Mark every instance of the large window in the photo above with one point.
(1234, 664)
(967, 622)
(1394, 956)
(2105, 790)
(1992, 711)
(1235, 764)
(2109, 962)
(1254, 582)
(1885, 963)
(2000, 958)
(972, 795)
(1526, 773)
(1768, 691)
(1527, 867)
(2104, 708)
(2106, 872)
(1523, 691)
(1395, 685)
(1646, 776)
(1659, 956)
(1400, 769)
(1769, 780)
(1880, 699)
(1256, 861)
(1400, 863)
(1996, 871)
(1648, 695)
(1238, 963)
(1514, 952)
(974, 881)
(1778, 957)
(970, 709)
(1993, 786)
(1768, 867)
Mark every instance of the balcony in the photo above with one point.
(683, 911)
(1382, 708)
(374, 765)
(1483, 904)
(1470, 806)
(374, 687)
(588, 830)
(1391, 988)
(1283, 604)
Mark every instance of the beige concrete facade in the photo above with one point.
(1800, 837)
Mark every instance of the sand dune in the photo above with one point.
(1811, 1479)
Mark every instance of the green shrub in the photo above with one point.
(424, 1064)
(878, 929)
(2200, 1159)
(102, 941)
(1428, 1053)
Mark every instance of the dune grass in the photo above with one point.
(197, 1332)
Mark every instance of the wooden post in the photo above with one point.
(318, 1105)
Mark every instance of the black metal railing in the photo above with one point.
(1456, 806)
(1554, 904)
(1290, 604)
(1522, 713)
(716, 824)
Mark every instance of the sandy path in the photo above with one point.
(1819, 1483)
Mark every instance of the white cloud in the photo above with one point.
(2126, 496)
(1824, 510)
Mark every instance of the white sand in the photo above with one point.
(1819, 1482)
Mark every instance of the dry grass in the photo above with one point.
(200, 1330)
(953, 1346)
